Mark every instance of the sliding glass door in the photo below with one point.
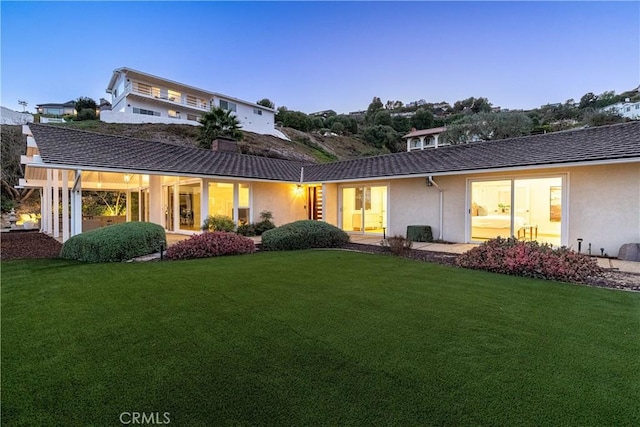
(527, 208)
(364, 209)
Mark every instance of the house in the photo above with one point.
(424, 138)
(57, 109)
(324, 114)
(627, 109)
(554, 188)
(138, 97)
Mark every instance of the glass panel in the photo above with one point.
(375, 212)
(243, 196)
(351, 215)
(190, 218)
(490, 209)
(168, 208)
(144, 206)
(221, 199)
(538, 209)
(134, 209)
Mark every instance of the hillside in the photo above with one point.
(303, 146)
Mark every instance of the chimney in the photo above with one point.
(224, 145)
(413, 129)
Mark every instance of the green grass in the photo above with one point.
(313, 337)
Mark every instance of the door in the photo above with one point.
(314, 202)
(364, 209)
(526, 208)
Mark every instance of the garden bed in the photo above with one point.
(28, 245)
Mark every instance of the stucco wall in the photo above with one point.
(280, 200)
(604, 206)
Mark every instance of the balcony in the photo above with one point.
(170, 95)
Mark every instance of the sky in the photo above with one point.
(312, 56)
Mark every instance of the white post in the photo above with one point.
(128, 202)
(156, 211)
(435, 137)
(76, 204)
(236, 198)
(204, 200)
(56, 203)
(46, 201)
(65, 206)
(176, 207)
(42, 209)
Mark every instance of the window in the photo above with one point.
(146, 112)
(144, 89)
(192, 117)
(174, 114)
(257, 111)
(226, 105)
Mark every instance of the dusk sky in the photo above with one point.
(312, 56)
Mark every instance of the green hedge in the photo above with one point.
(304, 235)
(118, 242)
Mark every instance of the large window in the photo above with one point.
(145, 112)
(231, 200)
(226, 105)
(364, 209)
(190, 218)
(527, 208)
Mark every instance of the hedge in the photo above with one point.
(210, 244)
(304, 234)
(118, 242)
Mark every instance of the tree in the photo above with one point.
(13, 145)
(217, 123)
(382, 118)
(337, 127)
(266, 102)
(383, 136)
(589, 99)
(297, 120)
(488, 126)
(602, 118)
(401, 124)
(473, 105)
(422, 119)
(85, 108)
(375, 106)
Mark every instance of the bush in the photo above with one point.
(304, 234)
(530, 259)
(218, 223)
(398, 245)
(419, 233)
(86, 114)
(258, 228)
(118, 242)
(210, 244)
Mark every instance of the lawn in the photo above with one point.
(312, 337)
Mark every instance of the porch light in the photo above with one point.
(127, 178)
(298, 190)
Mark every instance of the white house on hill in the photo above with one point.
(138, 97)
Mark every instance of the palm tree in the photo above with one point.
(217, 123)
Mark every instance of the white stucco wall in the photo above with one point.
(604, 206)
(115, 117)
(280, 199)
(330, 203)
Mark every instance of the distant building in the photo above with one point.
(425, 138)
(57, 109)
(630, 110)
(324, 113)
(138, 97)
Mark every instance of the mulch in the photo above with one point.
(28, 245)
(34, 245)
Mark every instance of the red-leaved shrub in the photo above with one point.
(531, 259)
(209, 244)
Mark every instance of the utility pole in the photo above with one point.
(24, 105)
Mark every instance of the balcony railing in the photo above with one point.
(169, 95)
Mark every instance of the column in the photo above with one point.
(76, 204)
(65, 206)
(155, 199)
(204, 199)
(56, 203)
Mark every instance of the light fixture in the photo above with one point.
(298, 190)
(127, 178)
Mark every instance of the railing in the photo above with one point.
(169, 95)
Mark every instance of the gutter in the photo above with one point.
(431, 182)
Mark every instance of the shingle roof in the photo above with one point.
(619, 141)
(64, 146)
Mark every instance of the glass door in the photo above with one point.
(527, 208)
(364, 209)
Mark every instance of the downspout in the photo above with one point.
(432, 182)
(301, 174)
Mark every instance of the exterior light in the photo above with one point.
(298, 190)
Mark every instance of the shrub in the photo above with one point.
(118, 242)
(398, 245)
(304, 234)
(218, 223)
(210, 244)
(531, 259)
(258, 228)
